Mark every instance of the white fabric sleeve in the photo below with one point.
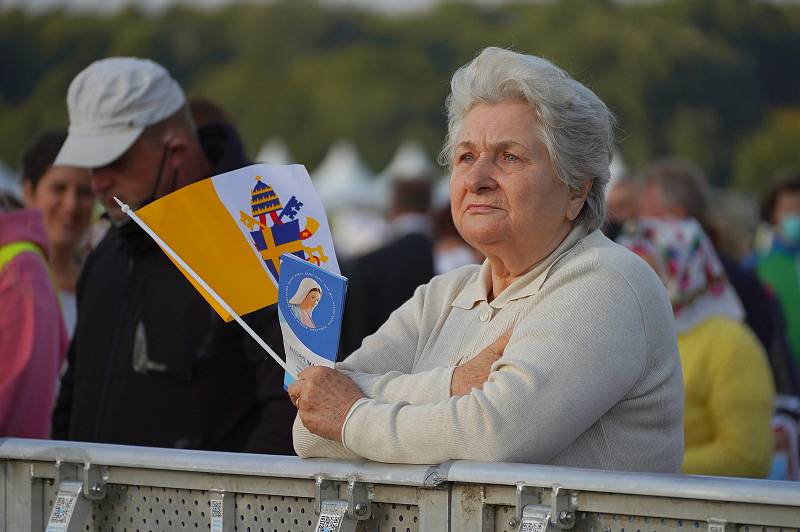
(569, 361)
(308, 445)
(415, 388)
(380, 369)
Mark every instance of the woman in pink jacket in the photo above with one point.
(33, 339)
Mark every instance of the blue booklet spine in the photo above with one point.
(310, 309)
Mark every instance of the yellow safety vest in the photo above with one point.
(9, 251)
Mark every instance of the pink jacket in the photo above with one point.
(33, 339)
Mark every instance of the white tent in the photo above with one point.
(440, 197)
(275, 151)
(9, 182)
(342, 179)
(618, 168)
(410, 161)
(350, 195)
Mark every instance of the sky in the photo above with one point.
(389, 6)
(386, 6)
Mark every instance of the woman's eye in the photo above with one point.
(466, 158)
(510, 157)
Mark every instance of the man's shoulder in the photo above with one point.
(400, 251)
(223, 146)
(107, 251)
(404, 262)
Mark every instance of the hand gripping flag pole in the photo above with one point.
(168, 250)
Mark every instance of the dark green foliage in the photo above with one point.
(686, 78)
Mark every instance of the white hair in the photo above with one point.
(574, 124)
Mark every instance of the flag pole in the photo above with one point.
(168, 250)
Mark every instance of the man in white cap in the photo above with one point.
(151, 363)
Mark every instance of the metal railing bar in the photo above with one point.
(211, 462)
(653, 484)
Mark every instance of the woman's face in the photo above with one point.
(311, 300)
(504, 191)
(786, 214)
(65, 198)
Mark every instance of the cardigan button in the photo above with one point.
(485, 315)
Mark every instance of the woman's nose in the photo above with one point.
(70, 201)
(482, 175)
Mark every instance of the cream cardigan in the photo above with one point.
(590, 377)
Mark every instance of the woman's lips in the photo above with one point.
(479, 208)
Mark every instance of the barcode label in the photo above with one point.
(329, 523)
(532, 526)
(216, 515)
(62, 511)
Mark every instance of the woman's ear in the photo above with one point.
(576, 200)
(27, 194)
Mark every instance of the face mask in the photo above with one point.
(445, 261)
(780, 466)
(790, 228)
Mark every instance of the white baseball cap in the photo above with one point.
(110, 103)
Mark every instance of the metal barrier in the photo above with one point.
(67, 486)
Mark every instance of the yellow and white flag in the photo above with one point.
(232, 228)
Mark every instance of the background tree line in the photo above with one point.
(716, 81)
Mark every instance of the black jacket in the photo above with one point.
(152, 364)
(763, 316)
(379, 283)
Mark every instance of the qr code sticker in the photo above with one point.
(532, 526)
(216, 509)
(62, 509)
(216, 515)
(329, 523)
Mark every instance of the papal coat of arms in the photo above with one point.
(275, 228)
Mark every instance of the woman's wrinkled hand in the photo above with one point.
(323, 397)
(475, 373)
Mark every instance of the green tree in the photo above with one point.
(761, 154)
(695, 79)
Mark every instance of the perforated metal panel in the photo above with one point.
(144, 509)
(596, 522)
(151, 509)
(502, 515)
(274, 513)
(393, 518)
(631, 523)
(152, 490)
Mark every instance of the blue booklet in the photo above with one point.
(310, 308)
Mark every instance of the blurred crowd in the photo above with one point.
(103, 340)
(734, 314)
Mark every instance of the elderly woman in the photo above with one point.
(559, 349)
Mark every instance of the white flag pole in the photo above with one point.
(168, 250)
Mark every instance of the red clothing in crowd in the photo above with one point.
(33, 339)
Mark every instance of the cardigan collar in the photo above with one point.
(527, 285)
